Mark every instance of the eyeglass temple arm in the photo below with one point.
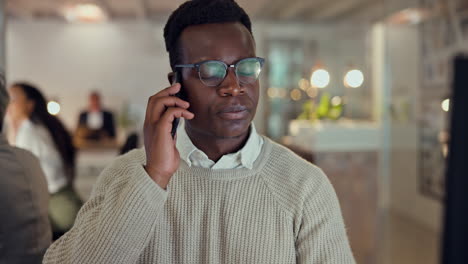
(185, 66)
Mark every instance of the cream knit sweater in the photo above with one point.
(284, 210)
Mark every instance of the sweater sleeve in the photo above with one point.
(322, 236)
(115, 224)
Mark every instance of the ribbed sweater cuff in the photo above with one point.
(145, 190)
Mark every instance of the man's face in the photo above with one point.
(94, 102)
(227, 110)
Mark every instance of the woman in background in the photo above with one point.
(45, 136)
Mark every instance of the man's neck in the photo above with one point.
(94, 110)
(216, 147)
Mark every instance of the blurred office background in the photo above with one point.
(359, 87)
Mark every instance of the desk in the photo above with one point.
(90, 162)
(335, 136)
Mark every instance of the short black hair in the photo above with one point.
(95, 93)
(197, 12)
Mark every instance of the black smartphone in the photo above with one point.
(180, 95)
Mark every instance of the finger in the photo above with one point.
(172, 113)
(171, 90)
(158, 106)
(164, 125)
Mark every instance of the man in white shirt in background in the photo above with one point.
(96, 123)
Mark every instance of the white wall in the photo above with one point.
(405, 62)
(126, 62)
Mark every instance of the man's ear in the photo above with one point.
(170, 77)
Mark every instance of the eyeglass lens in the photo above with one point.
(212, 73)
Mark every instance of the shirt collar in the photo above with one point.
(252, 148)
(184, 144)
(245, 157)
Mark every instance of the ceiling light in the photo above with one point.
(446, 105)
(53, 107)
(84, 13)
(312, 92)
(320, 78)
(354, 78)
(296, 94)
(336, 101)
(409, 16)
(304, 84)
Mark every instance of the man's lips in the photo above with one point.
(234, 112)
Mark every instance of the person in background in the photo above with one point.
(45, 136)
(96, 123)
(25, 232)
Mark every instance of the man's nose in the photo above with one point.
(230, 85)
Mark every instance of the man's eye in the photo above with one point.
(245, 73)
(213, 71)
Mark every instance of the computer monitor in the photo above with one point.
(455, 236)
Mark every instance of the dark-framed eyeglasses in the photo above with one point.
(213, 72)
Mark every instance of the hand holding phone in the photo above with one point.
(162, 156)
(181, 95)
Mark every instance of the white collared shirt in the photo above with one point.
(95, 120)
(244, 158)
(37, 139)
